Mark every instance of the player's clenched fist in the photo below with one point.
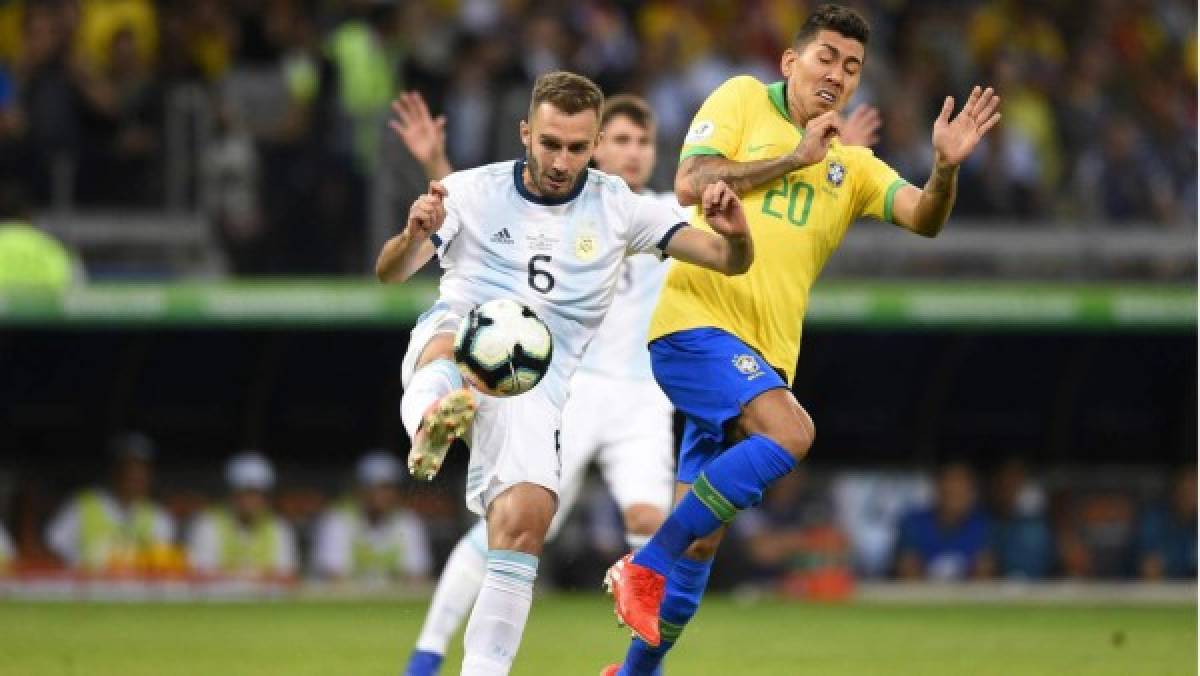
(429, 211)
(723, 210)
(819, 131)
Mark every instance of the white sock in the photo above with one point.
(428, 384)
(456, 590)
(498, 620)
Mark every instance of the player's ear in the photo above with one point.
(526, 134)
(788, 61)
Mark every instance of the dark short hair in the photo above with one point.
(843, 20)
(628, 105)
(569, 92)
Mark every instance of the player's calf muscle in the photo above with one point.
(643, 519)
(706, 547)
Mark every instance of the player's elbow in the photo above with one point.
(930, 230)
(382, 271)
(683, 189)
(735, 268)
(738, 259)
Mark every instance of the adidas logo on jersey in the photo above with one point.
(502, 237)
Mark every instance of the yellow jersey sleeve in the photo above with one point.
(718, 126)
(876, 189)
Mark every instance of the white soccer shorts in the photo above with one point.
(625, 425)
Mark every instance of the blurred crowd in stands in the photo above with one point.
(812, 536)
(97, 97)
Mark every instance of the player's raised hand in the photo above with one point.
(817, 134)
(954, 140)
(861, 128)
(428, 212)
(423, 134)
(723, 210)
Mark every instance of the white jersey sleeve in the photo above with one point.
(651, 224)
(456, 188)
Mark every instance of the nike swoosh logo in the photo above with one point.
(754, 149)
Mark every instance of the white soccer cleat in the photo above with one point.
(449, 418)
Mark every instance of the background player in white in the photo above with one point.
(615, 414)
(550, 233)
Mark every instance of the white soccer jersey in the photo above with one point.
(561, 257)
(618, 349)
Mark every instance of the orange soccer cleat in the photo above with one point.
(637, 593)
(610, 670)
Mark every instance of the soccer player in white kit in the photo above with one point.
(615, 414)
(552, 234)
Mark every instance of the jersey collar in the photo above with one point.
(519, 181)
(777, 92)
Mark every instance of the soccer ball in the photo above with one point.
(503, 348)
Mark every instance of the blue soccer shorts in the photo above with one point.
(709, 375)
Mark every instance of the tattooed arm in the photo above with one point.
(697, 172)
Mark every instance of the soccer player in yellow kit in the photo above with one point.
(724, 349)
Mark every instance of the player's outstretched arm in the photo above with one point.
(423, 134)
(925, 211)
(697, 172)
(731, 250)
(409, 251)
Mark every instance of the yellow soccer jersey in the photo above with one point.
(796, 222)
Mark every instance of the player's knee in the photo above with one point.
(799, 441)
(517, 539)
(519, 531)
(797, 436)
(643, 519)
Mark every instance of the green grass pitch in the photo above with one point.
(575, 634)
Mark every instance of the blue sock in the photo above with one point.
(685, 587)
(735, 480)
(423, 663)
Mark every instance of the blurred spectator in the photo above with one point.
(49, 99)
(244, 538)
(791, 540)
(1099, 106)
(1124, 179)
(1167, 533)
(1095, 533)
(231, 172)
(366, 55)
(100, 21)
(30, 257)
(1021, 539)
(372, 537)
(868, 506)
(950, 539)
(114, 530)
(122, 127)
